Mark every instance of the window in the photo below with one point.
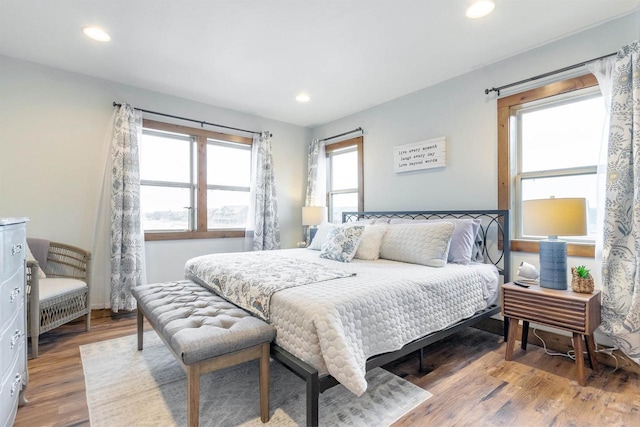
(345, 191)
(194, 183)
(549, 141)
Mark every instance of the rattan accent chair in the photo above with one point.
(60, 297)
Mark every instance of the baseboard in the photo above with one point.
(106, 312)
(560, 343)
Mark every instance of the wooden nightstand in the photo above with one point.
(562, 309)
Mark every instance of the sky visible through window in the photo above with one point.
(563, 136)
(168, 159)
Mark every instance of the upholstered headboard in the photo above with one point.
(492, 241)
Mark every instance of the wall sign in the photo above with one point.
(420, 155)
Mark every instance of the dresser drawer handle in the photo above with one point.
(16, 338)
(14, 294)
(16, 249)
(16, 384)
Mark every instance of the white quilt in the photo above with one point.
(336, 325)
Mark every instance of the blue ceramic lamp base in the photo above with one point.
(553, 264)
(312, 233)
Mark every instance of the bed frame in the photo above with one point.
(492, 242)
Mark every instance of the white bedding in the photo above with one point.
(337, 324)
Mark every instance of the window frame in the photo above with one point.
(352, 143)
(201, 137)
(506, 176)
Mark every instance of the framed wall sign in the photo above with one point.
(420, 155)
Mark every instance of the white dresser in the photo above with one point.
(13, 325)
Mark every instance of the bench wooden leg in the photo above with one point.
(193, 395)
(140, 328)
(264, 383)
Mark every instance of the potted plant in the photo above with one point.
(581, 280)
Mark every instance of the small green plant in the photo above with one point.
(582, 271)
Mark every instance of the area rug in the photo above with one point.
(127, 387)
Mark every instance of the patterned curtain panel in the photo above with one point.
(266, 225)
(316, 180)
(127, 242)
(621, 243)
(316, 177)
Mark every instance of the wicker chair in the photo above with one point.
(60, 297)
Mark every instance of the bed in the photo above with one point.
(336, 320)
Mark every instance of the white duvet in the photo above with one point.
(336, 325)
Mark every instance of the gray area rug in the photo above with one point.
(127, 387)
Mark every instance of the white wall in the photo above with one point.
(53, 127)
(459, 110)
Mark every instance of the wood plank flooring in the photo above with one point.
(472, 384)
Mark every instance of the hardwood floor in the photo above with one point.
(472, 384)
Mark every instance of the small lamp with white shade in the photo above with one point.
(554, 217)
(312, 216)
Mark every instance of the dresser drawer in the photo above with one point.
(13, 249)
(12, 341)
(11, 296)
(10, 387)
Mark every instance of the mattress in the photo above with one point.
(336, 325)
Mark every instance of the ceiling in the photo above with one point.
(255, 56)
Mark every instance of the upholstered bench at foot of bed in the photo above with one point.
(205, 333)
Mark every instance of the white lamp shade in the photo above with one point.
(313, 215)
(555, 217)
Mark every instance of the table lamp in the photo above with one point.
(311, 217)
(554, 217)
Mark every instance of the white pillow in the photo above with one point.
(321, 234)
(425, 244)
(369, 247)
(39, 271)
(463, 239)
(342, 243)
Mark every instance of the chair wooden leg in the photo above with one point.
(264, 383)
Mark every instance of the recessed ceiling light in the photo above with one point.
(96, 33)
(480, 8)
(303, 97)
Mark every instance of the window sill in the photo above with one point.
(189, 235)
(586, 250)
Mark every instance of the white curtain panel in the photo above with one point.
(316, 177)
(621, 242)
(126, 236)
(263, 230)
(603, 70)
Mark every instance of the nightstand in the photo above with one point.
(562, 309)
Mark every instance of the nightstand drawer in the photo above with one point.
(563, 314)
(562, 309)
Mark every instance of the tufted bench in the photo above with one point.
(205, 333)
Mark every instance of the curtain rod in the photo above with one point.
(202, 123)
(342, 134)
(550, 73)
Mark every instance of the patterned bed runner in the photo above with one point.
(249, 279)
